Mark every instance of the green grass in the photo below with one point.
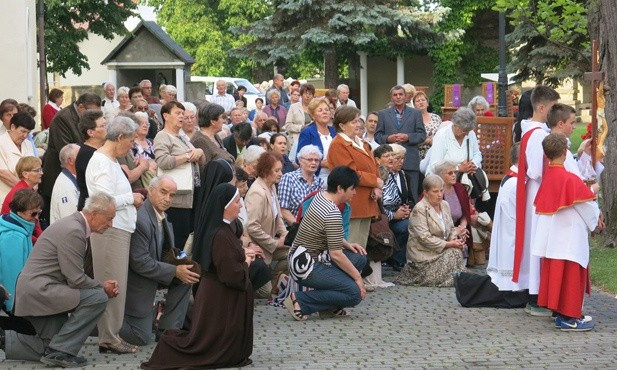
(575, 138)
(603, 266)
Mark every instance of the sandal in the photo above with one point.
(118, 348)
(290, 303)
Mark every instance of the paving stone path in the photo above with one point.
(411, 328)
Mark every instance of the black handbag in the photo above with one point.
(478, 179)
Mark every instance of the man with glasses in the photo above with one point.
(403, 125)
(296, 185)
(146, 91)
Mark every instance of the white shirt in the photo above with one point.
(226, 101)
(110, 105)
(64, 198)
(350, 103)
(105, 175)
(446, 148)
(9, 156)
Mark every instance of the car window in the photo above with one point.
(209, 88)
(231, 89)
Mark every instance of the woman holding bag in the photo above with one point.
(178, 158)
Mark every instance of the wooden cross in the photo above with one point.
(595, 76)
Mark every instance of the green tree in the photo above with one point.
(550, 39)
(68, 22)
(463, 56)
(334, 29)
(202, 28)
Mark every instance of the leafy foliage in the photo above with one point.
(340, 27)
(67, 23)
(550, 39)
(462, 56)
(201, 27)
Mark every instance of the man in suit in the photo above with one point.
(63, 130)
(152, 238)
(53, 284)
(403, 125)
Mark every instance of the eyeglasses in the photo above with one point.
(313, 160)
(142, 109)
(39, 170)
(35, 213)
(451, 173)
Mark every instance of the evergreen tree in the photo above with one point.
(335, 28)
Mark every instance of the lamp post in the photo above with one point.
(503, 76)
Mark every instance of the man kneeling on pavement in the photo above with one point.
(53, 284)
(153, 237)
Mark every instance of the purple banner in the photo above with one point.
(456, 95)
(490, 96)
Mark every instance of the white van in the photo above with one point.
(232, 85)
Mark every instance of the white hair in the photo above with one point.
(188, 106)
(252, 153)
(68, 151)
(342, 86)
(98, 202)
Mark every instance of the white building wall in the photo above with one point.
(18, 59)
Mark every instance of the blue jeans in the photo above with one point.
(334, 289)
(400, 228)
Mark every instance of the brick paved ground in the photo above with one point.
(412, 328)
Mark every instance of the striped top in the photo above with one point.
(321, 227)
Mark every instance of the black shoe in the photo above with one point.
(56, 358)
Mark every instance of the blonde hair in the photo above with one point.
(26, 164)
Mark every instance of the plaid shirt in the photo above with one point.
(293, 188)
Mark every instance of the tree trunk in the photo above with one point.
(607, 36)
(330, 67)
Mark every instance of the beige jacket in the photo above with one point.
(426, 237)
(262, 225)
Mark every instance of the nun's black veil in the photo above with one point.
(216, 172)
(203, 238)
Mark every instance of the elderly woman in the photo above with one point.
(139, 164)
(431, 121)
(177, 157)
(319, 133)
(30, 172)
(456, 195)
(53, 106)
(296, 185)
(435, 249)
(480, 106)
(274, 109)
(110, 250)
(265, 222)
(123, 99)
(458, 143)
(16, 228)
(211, 120)
(321, 259)
(189, 125)
(221, 333)
(248, 162)
(93, 127)
(167, 93)
(396, 198)
(298, 116)
(279, 145)
(8, 108)
(14, 145)
(348, 150)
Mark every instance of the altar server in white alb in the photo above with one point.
(566, 211)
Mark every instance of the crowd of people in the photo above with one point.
(131, 193)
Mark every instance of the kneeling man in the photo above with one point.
(53, 284)
(153, 237)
